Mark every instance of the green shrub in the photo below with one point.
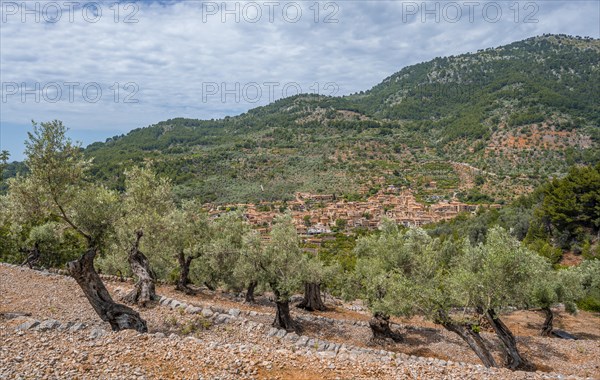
(589, 303)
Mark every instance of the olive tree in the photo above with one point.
(247, 268)
(432, 291)
(187, 235)
(39, 235)
(589, 272)
(145, 203)
(406, 273)
(57, 187)
(380, 259)
(281, 265)
(228, 233)
(553, 287)
(497, 274)
(50, 245)
(315, 273)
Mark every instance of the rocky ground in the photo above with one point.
(49, 330)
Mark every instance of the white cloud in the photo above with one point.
(171, 52)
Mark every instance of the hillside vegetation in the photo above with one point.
(463, 284)
(488, 126)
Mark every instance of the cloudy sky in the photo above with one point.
(105, 69)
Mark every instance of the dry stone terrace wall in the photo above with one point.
(300, 343)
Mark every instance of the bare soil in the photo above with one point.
(195, 348)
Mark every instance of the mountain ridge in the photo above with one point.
(522, 112)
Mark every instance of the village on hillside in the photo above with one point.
(316, 214)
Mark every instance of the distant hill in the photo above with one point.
(485, 126)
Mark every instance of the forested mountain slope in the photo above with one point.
(487, 126)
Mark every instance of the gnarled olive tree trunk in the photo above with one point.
(184, 273)
(312, 298)
(144, 290)
(475, 341)
(250, 292)
(33, 255)
(547, 327)
(514, 360)
(380, 327)
(119, 316)
(283, 318)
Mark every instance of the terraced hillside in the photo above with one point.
(487, 126)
